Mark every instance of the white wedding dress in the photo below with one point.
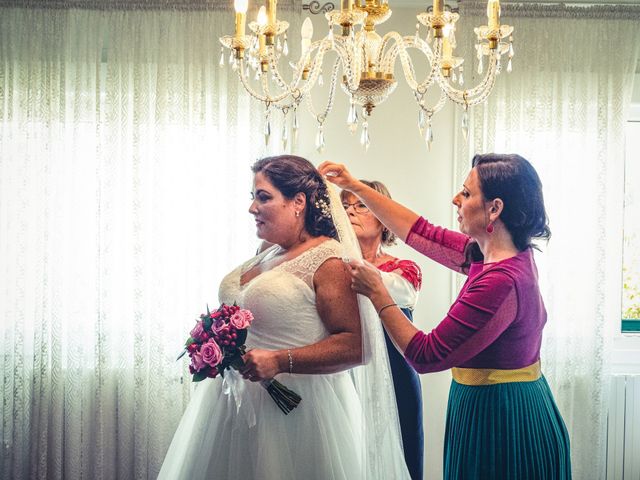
(320, 439)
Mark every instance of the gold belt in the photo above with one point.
(491, 376)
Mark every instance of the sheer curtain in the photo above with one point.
(124, 187)
(563, 108)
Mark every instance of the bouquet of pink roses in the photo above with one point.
(217, 343)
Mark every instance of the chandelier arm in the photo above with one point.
(265, 88)
(297, 74)
(332, 90)
(409, 41)
(436, 108)
(400, 47)
(349, 65)
(262, 98)
(316, 66)
(405, 60)
(475, 95)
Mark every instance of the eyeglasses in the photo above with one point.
(358, 207)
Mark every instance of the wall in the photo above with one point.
(420, 179)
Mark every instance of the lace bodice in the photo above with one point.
(283, 300)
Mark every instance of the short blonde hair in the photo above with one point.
(388, 237)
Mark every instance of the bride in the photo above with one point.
(312, 333)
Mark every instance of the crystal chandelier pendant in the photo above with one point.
(267, 128)
(498, 63)
(320, 79)
(294, 129)
(480, 66)
(461, 76)
(221, 63)
(285, 47)
(285, 134)
(428, 135)
(234, 65)
(352, 117)
(320, 139)
(465, 124)
(364, 136)
(421, 121)
(509, 66)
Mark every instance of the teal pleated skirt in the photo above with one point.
(505, 431)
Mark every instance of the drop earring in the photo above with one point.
(490, 227)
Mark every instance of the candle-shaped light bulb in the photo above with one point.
(438, 5)
(493, 13)
(271, 11)
(241, 15)
(306, 32)
(262, 16)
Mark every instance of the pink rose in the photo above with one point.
(241, 319)
(221, 329)
(197, 331)
(211, 353)
(197, 361)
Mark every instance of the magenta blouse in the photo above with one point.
(497, 319)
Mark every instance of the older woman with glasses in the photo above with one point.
(403, 279)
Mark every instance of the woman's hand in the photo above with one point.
(366, 280)
(260, 365)
(338, 174)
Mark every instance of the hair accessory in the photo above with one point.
(322, 205)
(386, 306)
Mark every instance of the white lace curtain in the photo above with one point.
(124, 187)
(563, 108)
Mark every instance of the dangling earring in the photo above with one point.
(297, 213)
(490, 227)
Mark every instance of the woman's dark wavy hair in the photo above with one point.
(514, 180)
(388, 237)
(291, 174)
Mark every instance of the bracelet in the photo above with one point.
(290, 360)
(387, 306)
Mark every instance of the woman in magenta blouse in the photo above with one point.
(502, 420)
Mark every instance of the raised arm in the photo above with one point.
(337, 306)
(396, 217)
(441, 245)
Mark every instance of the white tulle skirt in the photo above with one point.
(318, 440)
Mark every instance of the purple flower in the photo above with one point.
(211, 353)
(197, 331)
(197, 361)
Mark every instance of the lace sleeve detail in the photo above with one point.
(305, 265)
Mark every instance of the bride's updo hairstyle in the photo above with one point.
(292, 174)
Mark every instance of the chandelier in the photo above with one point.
(364, 63)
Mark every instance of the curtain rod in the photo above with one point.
(560, 10)
(180, 5)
